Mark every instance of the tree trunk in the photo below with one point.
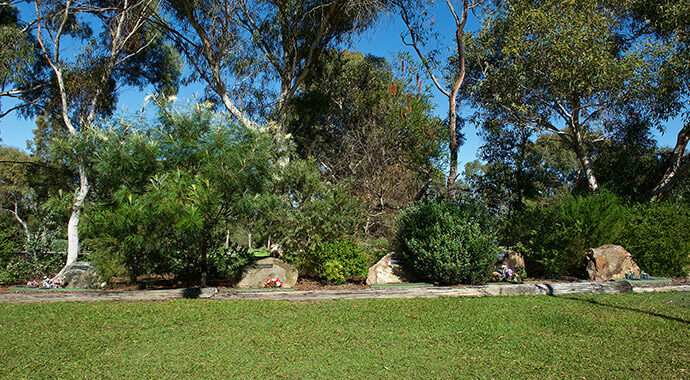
(73, 224)
(582, 154)
(676, 166)
(453, 147)
(203, 247)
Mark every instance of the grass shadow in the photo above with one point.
(650, 313)
(192, 293)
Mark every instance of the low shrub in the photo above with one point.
(447, 242)
(337, 262)
(658, 237)
(39, 259)
(554, 238)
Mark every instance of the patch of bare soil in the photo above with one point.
(305, 283)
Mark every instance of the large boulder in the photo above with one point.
(82, 275)
(610, 262)
(257, 273)
(388, 270)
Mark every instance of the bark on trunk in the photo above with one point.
(452, 99)
(204, 262)
(73, 224)
(675, 168)
(582, 154)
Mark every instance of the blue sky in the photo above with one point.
(383, 40)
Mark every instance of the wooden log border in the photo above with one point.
(553, 289)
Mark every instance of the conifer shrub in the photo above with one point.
(657, 235)
(555, 238)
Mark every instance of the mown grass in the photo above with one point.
(605, 336)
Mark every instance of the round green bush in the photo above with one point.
(657, 235)
(447, 242)
(338, 262)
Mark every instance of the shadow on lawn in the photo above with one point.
(591, 301)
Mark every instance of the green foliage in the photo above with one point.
(371, 128)
(38, 259)
(313, 210)
(337, 262)
(170, 192)
(555, 237)
(658, 237)
(445, 242)
(11, 242)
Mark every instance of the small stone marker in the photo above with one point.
(388, 270)
(256, 274)
(610, 262)
(81, 275)
(511, 259)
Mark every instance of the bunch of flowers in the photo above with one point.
(52, 283)
(273, 283)
(506, 274)
(631, 276)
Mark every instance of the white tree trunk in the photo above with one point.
(73, 224)
(674, 170)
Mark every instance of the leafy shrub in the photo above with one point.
(40, 259)
(555, 238)
(312, 210)
(447, 242)
(11, 242)
(337, 262)
(658, 237)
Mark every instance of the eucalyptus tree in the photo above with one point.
(366, 125)
(447, 79)
(668, 21)
(239, 48)
(23, 78)
(563, 68)
(88, 66)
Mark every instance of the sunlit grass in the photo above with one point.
(605, 336)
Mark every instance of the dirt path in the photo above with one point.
(320, 295)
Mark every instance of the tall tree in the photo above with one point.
(23, 78)
(239, 47)
(415, 15)
(558, 67)
(669, 21)
(366, 125)
(126, 51)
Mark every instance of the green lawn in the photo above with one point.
(605, 336)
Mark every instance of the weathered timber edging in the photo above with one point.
(90, 296)
(555, 289)
(436, 291)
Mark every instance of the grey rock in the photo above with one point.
(388, 270)
(610, 262)
(511, 259)
(82, 275)
(257, 273)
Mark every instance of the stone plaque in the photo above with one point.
(262, 266)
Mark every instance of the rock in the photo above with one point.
(509, 266)
(82, 275)
(388, 270)
(257, 273)
(511, 259)
(610, 262)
